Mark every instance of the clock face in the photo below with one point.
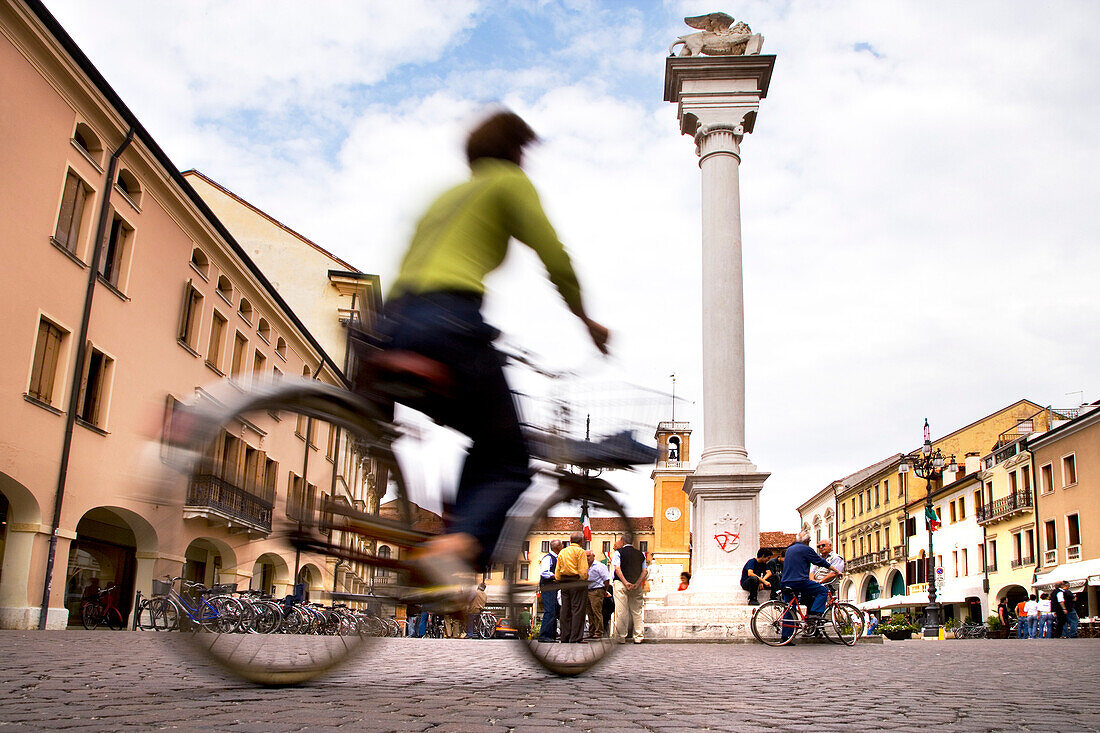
(672, 514)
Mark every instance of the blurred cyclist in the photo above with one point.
(434, 310)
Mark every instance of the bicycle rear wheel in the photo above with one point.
(91, 614)
(337, 451)
(844, 624)
(769, 625)
(560, 513)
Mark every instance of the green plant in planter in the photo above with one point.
(900, 629)
(994, 622)
(950, 624)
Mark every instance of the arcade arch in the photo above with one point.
(311, 579)
(271, 574)
(895, 584)
(112, 546)
(870, 590)
(21, 517)
(206, 559)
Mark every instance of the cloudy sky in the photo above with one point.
(916, 195)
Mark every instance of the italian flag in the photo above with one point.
(586, 524)
(933, 521)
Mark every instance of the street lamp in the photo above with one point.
(928, 464)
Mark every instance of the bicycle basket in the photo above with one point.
(594, 425)
(161, 587)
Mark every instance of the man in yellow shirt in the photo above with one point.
(572, 575)
(434, 310)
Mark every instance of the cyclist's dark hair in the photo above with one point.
(763, 552)
(503, 135)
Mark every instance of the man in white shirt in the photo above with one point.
(1031, 609)
(548, 592)
(1046, 616)
(829, 578)
(629, 574)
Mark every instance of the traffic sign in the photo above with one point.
(939, 572)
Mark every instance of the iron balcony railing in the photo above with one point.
(1004, 507)
(1016, 564)
(207, 490)
(870, 559)
(899, 552)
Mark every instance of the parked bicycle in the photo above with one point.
(574, 445)
(971, 630)
(102, 609)
(195, 607)
(777, 623)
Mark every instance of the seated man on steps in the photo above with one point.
(756, 575)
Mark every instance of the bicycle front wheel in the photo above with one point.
(772, 625)
(844, 624)
(560, 513)
(337, 449)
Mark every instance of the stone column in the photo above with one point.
(717, 100)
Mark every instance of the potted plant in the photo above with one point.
(950, 625)
(997, 630)
(897, 629)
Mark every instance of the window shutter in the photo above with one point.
(185, 315)
(65, 216)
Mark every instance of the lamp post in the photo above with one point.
(928, 464)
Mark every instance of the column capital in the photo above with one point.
(719, 138)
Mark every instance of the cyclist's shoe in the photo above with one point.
(443, 571)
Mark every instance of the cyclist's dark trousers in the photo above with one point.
(814, 594)
(753, 586)
(448, 327)
(549, 596)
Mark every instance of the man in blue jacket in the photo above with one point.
(797, 560)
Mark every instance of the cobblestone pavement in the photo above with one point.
(106, 680)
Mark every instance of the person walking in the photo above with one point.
(599, 580)
(548, 592)
(1022, 631)
(473, 611)
(572, 575)
(1046, 616)
(628, 577)
(1065, 609)
(1031, 611)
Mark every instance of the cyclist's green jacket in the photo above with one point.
(464, 235)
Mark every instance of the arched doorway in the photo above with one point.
(310, 579)
(871, 590)
(205, 559)
(21, 517)
(896, 584)
(104, 553)
(846, 591)
(270, 574)
(1015, 594)
(974, 606)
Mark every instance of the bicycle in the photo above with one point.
(971, 630)
(776, 623)
(362, 423)
(213, 610)
(102, 610)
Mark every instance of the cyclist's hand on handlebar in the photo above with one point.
(600, 335)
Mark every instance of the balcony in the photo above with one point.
(991, 567)
(220, 502)
(1004, 508)
(869, 560)
(1050, 557)
(1022, 562)
(899, 553)
(1073, 553)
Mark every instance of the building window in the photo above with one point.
(829, 531)
(861, 503)
(1025, 476)
(200, 262)
(524, 571)
(886, 491)
(47, 351)
(191, 317)
(962, 508)
(114, 249)
(128, 184)
(644, 547)
(545, 546)
(886, 536)
(1046, 478)
(876, 495)
(217, 338)
(280, 348)
(263, 330)
(955, 561)
(844, 512)
(71, 216)
(245, 310)
(87, 141)
(94, 389)
(236, 365)
(259, 363)
(225, 289)
(1069, 470)
(1073, 538)
(953, 518)
(965, 562)
(1051, 531)
(1012, 483)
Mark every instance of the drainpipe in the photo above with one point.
(78, 370)
(305, 481)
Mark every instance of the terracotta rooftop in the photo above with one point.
(599, 524)
(774, 540)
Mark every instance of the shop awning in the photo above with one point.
(1075, 573)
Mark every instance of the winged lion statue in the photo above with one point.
(718, 36)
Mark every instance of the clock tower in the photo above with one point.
(671, 507)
